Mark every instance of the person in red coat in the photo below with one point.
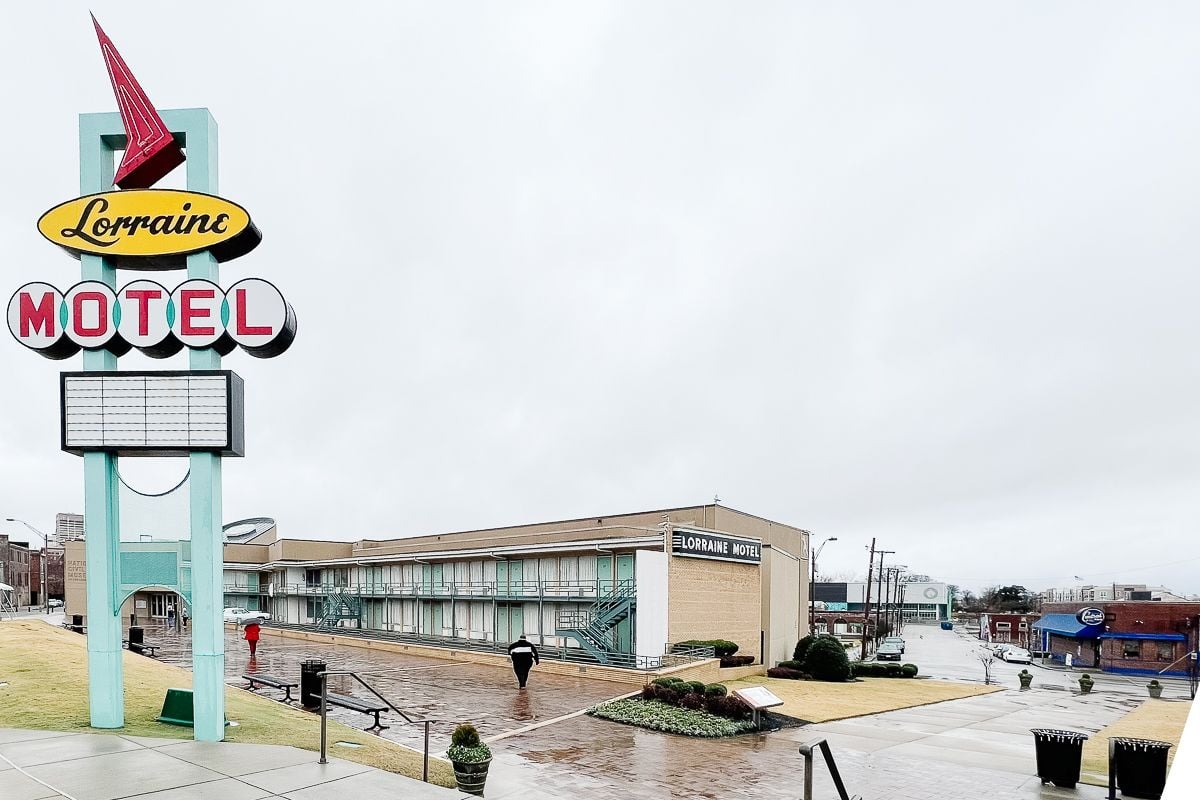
(252, 636)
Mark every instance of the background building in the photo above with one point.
(617, 590)
(1101, 592)
(999, 627)
(1146, 637)
(918, 601)
(68, 528)
(14, 569)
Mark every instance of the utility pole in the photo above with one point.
(867, 606)
(879, 591)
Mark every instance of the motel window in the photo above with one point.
(1023, 626)
(1003, 626)
(1131, 648)
(1166, 651)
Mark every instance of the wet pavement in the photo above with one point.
(425, 688)
(974, 747)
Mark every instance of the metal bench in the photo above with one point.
(272, 681)
(141, 648)
(354, 704)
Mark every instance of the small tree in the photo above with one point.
(987, 658)
(802, 648)
(826, 660)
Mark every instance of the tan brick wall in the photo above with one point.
(714, 600)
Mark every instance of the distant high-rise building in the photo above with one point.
(68, 528)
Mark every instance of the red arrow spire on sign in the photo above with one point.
(152, 151)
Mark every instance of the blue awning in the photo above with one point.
(1067, 625)
(1148, 637)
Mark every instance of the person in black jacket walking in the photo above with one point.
(524, 655)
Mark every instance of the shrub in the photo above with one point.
(465, 747)
(692, 700)
(465, 735)
(696, 687)
(663, 681)
(802, 648)
(715, 690)
(736, 661)
(659, 717)
(729, 707)
(826, 660)
(793, 664)
(667, 695)
(784, 672)
(721, 647)
(875, 669)
(649, 691)
(909, 670)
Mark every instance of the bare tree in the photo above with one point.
(987, 658)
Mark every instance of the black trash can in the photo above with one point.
(1140, 766)
(77, 623)
(136, 637)
(1059, 754)
(310, 682)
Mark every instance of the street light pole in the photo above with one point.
(42, 561)
(812, 585)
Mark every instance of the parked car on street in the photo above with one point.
(1017, 655)
(54, 602)
(888, 652)
(998, 649)
(896, 640)
(241, 615)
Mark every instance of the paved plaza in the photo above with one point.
(974, 747)
(47, 765)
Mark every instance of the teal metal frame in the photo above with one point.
(100, 136)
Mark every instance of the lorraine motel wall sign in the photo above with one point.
(716, 546)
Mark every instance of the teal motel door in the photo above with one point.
(431, 617)
(623, 632)
(509, 576)
(510, 623)
(604, 574)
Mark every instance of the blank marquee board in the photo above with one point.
(152, 413)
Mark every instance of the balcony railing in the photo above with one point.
(478, 590)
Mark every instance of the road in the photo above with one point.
(955, 656)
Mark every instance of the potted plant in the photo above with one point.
(1155, 688)
(1026, 678)
(1086, 683)
(470, 758)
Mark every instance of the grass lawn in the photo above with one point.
(46, 671)
(1161, 720)
(818, 701)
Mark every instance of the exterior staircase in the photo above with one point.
(594, 628)
(340, 605)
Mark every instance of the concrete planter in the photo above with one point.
(1086, 684)
(470, 777)
(1026, 679)
(1155, 689)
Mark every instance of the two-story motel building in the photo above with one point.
(618, 589)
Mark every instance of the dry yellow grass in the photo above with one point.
(46, 671)
(1161, 720)
(817, 701)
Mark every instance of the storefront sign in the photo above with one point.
(1090, 616)
(144, 314)
(716, 546)
(150, 228)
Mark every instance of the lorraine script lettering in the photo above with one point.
(98, 229)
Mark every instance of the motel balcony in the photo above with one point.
(567, 591)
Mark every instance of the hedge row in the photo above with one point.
(875, 669)
(712, 697)
(721, 647)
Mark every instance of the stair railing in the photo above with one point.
(407, 719)
(806, 750)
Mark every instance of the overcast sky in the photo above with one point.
(924, 271)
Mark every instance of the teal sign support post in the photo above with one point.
(100, 136)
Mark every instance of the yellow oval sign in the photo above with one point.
(150, 228)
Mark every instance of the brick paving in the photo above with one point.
(975, 747)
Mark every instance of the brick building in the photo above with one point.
(1135, 637)
(14, 569)
(1009, 628)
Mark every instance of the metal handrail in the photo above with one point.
(806, 750)
(324, 675)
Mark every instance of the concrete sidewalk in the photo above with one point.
(40, 765)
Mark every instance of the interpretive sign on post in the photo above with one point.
(759, 698)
